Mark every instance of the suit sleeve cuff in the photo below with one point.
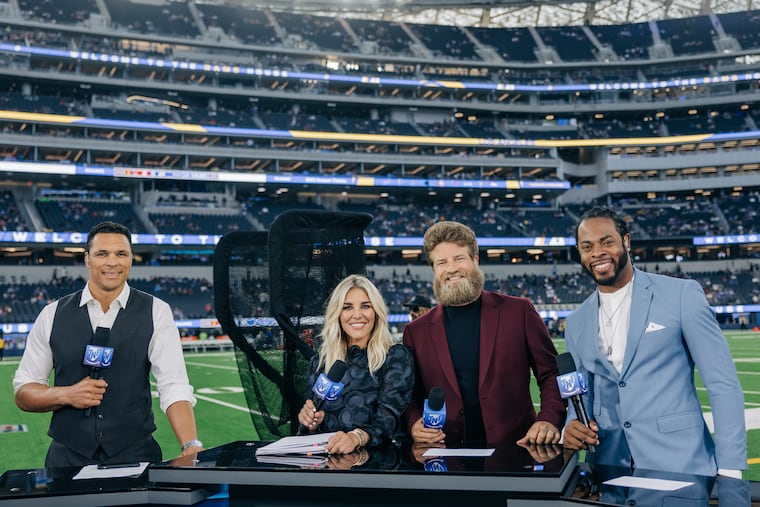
(727, 472)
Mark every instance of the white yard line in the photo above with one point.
(225, 404)
(217, 366)
(751, 419)
(212, 400)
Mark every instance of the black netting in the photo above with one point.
(310, 252)
(241, 301)
(269, 294)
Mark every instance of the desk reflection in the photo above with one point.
(243, 455)
(508, 457)
(700, 491)
(44, 481)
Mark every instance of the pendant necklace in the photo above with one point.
(608, 329)
(607, 318)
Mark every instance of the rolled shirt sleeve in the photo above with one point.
(37, 362)
(167, 359)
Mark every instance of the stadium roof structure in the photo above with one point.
(508, 13)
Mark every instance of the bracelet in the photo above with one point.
(363, 458)
(192, 443)
(361, 436)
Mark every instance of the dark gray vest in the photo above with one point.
(125, 414)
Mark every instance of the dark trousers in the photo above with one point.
(59, 455)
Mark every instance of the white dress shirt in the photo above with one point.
(164, 349)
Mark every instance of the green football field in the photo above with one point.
(223, 417)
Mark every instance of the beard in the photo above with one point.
(620, 264)
(461, 293)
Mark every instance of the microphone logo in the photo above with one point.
(434, 409)
(92, 355)
(434, 420)
(98, 357)
(582, 382)
(326, 389)
(107, 357)
(571, 384)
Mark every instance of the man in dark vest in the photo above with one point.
(104, 416)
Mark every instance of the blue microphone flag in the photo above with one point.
(328, 386)
(571, 384)
(434, 409)
(98, 357)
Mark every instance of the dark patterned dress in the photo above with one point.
(373, 403)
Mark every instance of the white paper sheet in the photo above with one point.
(629, 481)
(93, 472)
(307, 444)
(476, 453)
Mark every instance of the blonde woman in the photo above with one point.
(380, 375)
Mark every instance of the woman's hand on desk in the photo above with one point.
(342, 443)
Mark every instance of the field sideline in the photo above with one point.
(222, 412)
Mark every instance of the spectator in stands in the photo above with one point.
(638, 339)
(381, 373)
(106, 418)
(480, 347)
(418, 306)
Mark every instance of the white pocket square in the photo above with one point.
(653, 326)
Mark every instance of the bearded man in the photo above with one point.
(480, 347)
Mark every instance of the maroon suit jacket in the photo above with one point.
(513, 341)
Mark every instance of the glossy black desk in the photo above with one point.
(384, 476)
(388, 477)
(589, 488)
(512, 476)
(55, 488)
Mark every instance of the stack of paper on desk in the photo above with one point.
(296, 460)
(307, 445)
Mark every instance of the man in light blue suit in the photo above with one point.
(637, 340)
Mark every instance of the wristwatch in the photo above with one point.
(192, 443)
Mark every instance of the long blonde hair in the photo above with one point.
(334, 341)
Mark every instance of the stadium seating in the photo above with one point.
(197, 223)
(10, 217)
(429, 71)
(73, 215)
(249, 26)
(171, 18)
(192, 298)
(58, 11)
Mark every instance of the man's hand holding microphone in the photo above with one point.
(580, 433)
(89, 391)
(429, 427)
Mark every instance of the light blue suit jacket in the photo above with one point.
(649, 415)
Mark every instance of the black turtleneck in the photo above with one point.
(463, 334)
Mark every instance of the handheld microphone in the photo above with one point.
(328, 387)
(572, 385)
(98, 355)
(434, 411)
